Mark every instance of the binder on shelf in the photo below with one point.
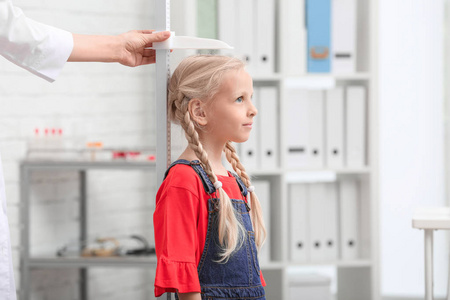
(250, 153)
(245, 33)
(355, 152)
(265, 36)
(344, 36)
(297, 128)
(295, 50)
(349, 219)
(316, 203)
(299, 248)
(323, 82)
(330, 215)
(249, 26)
(309, 286)
(305, 128)
(268, 133)
(334, 132)
(316, 129)
(228, 24)
(262, 189)
(207, 19)
(318, 25)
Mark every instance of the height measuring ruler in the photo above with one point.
(162, 73)
(162, 15)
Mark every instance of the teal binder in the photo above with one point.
(318, 25)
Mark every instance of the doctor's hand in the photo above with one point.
(134, 44)
(127, 49)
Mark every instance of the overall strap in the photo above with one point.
(207, 184)
(178, 162)
(196, 165)
(241, 184)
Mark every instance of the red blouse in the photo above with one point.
(180, 222)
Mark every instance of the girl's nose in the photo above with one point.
(253, 111)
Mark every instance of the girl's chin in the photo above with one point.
(239, 141)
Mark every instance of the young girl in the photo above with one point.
(208, 222)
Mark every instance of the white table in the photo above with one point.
(430, 219)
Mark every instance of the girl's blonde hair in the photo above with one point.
(200, 77)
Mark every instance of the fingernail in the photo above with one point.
(166, 34)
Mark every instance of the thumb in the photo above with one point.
(157, 37)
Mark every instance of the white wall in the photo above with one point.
(102, 102)
(411, 140)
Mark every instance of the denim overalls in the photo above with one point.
(239, 277)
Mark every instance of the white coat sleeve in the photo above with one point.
(41, 49)
(7, 284)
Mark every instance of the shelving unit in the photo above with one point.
(357, 278)
(28, 262)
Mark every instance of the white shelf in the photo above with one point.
(340, 264)
(276, 172)
(272, 266)
(354, 264)
(322, 80)
(355, 76)
(343, 76)
(310, 176)
(271, 77)
(85, 164)
(305, 78)
(360, 170)
(86, 262)
(311, 172)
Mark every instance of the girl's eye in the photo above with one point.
(240, 99)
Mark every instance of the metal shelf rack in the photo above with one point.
(83, 263)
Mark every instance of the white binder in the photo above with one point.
(299, 223)
(297, 128)
(245, 33)
(228, 24)
(344, 36)
(265, 36)
(250, 155)
(317, 221)
(355, 154)
(330, 215)
(349, 219)
(294, 57)
(262, 190)
(316, 129)
(268, 119)
(334, 128)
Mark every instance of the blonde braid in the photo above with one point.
(256, 211)
(233, 159)
(230, 230)
(182, 114)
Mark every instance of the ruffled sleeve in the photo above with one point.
(175, 223)
(172, 276)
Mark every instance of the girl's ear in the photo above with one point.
(196, 109)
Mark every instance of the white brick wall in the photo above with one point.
(98, 102)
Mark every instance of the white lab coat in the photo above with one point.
(7, 286)
(36, 47)
(42, 50)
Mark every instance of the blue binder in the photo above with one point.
(318, 25)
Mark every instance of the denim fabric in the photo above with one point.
(238, 278)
